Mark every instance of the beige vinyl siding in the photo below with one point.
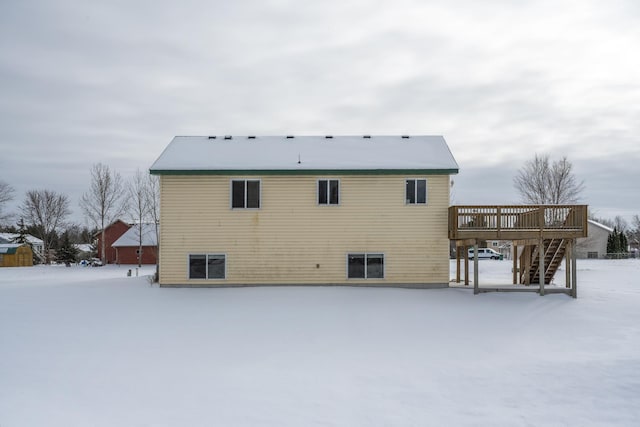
(293, 240)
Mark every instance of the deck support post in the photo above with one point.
(457, 264)
(515, 263)
(574, 270)
(567, 262)
(466, 266)
(476, 289)
(541, 266)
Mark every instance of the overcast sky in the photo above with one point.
(113, 81)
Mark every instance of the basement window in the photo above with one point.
(207, 266)
(365, 266)
(328, 192)
(245, 194)
(416, 192)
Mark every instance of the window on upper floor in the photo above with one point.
(416, 192)
(245, 194)
(328, 192)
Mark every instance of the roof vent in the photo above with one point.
(289, 136)
(329, 136)
(367, 136)
(212, 137)
(228, 137)
(405, 136)
(250, 137)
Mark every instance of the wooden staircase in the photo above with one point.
(554, 252)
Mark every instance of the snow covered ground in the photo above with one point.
(93, 347)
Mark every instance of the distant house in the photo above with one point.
(112, 233)
(15, 255)
(277, 210)
(128, 245)
(37, 245)
(595, 244)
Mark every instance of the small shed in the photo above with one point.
(37, 245)
(15, 255)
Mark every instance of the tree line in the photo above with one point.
(44, 213)
(109, 197)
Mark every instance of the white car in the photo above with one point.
(485, 253)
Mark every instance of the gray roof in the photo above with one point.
(305, 154)
(597, 224)
(131, 236)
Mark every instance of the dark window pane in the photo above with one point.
(422, 191)
(322, 192)
(333, 192)
(375, 266)
(216, 266)
(356, 266)
(237, 194)
(411, 191)
(253, 194)
(197, 266)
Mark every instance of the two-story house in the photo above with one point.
(324, 210)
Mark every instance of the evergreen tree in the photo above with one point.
(67, 253)
(616, 243)
(612, 242)
(21, 238)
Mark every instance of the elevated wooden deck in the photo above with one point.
(542, 236)
(517, 222)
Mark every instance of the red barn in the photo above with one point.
(111, 233)
(128, 245)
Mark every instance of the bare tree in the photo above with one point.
(6, 195)
(104, 202)
(153, 203)
(138, 208)
(46, 211)
(542, 182)
(620, 224)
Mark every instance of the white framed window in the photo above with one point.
(365, 266)
(207, 266)
(416, 191)
(328, 192)
(245, 194)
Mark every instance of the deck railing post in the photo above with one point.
(541, 219)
